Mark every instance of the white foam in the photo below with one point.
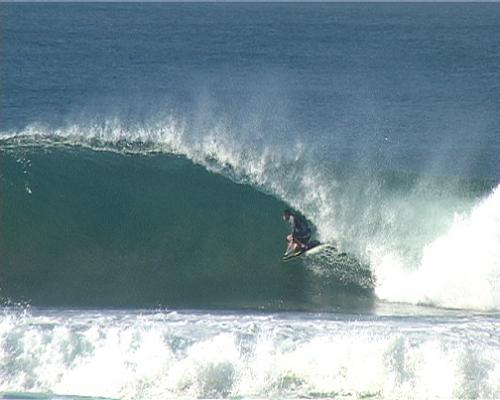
(130, 356)
(460, 269)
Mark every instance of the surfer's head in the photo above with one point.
(286, 214)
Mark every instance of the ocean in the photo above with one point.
(147, 151)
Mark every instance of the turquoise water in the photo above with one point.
(146, 154)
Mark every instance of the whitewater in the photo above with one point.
(152, 354)
(147, 152)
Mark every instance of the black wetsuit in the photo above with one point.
(300, 229)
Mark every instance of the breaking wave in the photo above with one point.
(206, 195)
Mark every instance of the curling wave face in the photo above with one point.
(401, 226)
(133, 226)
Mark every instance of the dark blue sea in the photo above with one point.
(147, 151)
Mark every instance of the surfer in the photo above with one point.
(301, 233)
